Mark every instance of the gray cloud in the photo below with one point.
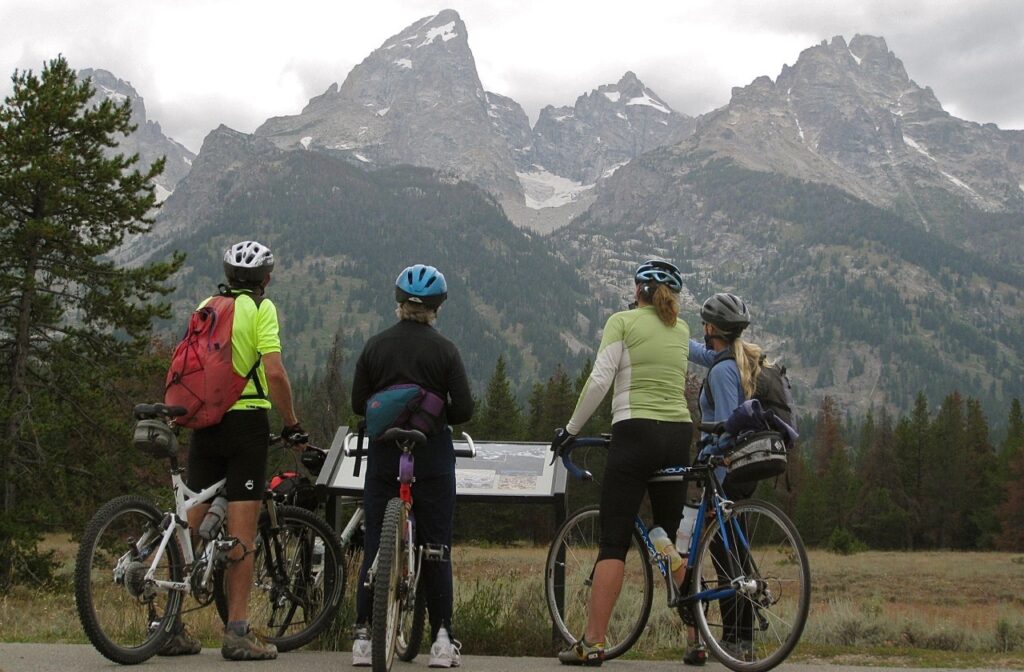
(201, 74)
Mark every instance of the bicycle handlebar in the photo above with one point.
(581, 442)
(468, 451)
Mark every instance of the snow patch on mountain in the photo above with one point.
(547, 190)
(112, 94)
(611, 170)
(914, 144)
(612, 96)
(445, 32)
(305, 141)
(650, 102)
(404, 63)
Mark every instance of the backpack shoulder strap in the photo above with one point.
(705, 388)
(253, 374)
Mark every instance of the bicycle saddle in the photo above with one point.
(142, 411)
(413, 435)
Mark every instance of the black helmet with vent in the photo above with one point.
(727, 313)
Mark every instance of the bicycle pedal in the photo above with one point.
(436, 552)
(225, 545)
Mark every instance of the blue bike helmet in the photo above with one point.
(658, 272)
(421, 284)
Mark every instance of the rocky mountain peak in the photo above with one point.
(437, 31)
(603, 130)
(416, 99)
(148, 140)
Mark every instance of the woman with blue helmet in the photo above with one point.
(412, 351)
(643, 355)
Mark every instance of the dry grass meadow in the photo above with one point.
(913, 609)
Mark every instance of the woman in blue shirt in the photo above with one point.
(733, 367)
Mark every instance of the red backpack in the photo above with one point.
(201, 377)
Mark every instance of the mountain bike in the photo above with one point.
(398, 609)
(136, 564)
(747, 585)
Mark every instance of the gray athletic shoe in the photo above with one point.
(181, 643)
(362, 652)
(247, 647)
(742, 649)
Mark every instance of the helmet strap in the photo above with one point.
(710, 338)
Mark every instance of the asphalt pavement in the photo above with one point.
(83, 658)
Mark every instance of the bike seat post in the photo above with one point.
(405, 474)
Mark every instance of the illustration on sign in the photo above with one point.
(514, 467)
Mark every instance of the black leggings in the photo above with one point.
(434, 507)
(639, 448)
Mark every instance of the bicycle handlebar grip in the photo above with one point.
(581, 442)
(574, 471)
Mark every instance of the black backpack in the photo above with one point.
(773, 388)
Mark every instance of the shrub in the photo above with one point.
(843, 542)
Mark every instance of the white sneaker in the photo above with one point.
(361, 653)
(445, 652)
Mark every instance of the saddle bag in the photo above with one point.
(756, 456)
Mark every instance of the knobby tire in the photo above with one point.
(387, 586)
(126, 620)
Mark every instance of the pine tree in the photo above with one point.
(65, 204)
(1010, 513)
(500, 418)
(559, 398)
(980, 477)
(827, 436)
(327, 405)
(536, 429)
(945, 466)
(912, 440)
(880, 515)
(1014, 431)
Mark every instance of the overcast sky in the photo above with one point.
(201, 63)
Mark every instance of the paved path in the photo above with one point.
(83, 658)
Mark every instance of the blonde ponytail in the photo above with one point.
(749, 362)
(666, 302)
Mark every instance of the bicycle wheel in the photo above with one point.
(569, 575)
(298, 579)
(755, 628)
(387, 586)
(126, 618)
(410, 627)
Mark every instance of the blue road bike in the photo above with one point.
(747, 586)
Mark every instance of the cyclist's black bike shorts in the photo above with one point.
(236, 448)
(639, 448)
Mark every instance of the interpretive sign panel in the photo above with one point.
(500, 469)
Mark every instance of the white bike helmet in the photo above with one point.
(248, 262)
